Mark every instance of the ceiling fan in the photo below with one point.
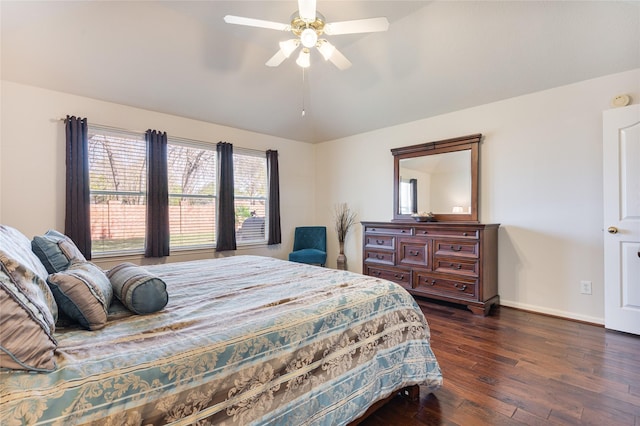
(308, 25)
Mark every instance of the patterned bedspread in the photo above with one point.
(244, 340)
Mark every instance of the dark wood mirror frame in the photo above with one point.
(470, 142)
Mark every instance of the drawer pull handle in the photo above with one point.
(463, 287)
(400, 277)
(376, 273)
(425, 232)
(379, 256)
(414, 252)
(464, 234)
(454, 248)
(403, 231)
(454, 266)
(380, 242)
(433, 282)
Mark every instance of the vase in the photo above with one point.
(342, 259)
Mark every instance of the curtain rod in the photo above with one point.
(105, 127)
(177, 138)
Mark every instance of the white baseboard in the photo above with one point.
(554, 312)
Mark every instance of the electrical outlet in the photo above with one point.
(585, 287)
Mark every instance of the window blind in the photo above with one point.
(118, 185)
(192, 190)
(250, 194)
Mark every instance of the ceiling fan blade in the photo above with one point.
(250, 22)
(307, 10)
(339, 60)
(276, 59)
(287, 47)
(370, 25)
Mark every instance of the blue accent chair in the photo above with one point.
(310, 245)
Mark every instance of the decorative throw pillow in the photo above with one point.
(83, 293)
(56, 251)
(137, 289)
(17, 248)
(26, 330)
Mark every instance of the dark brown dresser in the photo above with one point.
(452, 261)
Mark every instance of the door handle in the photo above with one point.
(612, 230)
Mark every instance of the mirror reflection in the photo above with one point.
(438, 183)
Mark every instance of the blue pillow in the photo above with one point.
(137, 289)
(56, 251)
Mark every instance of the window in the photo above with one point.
(250, 195)
(192, 194)
(408, 188)
(118, 186)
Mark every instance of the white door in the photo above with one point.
(621, 155)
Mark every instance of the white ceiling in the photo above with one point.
(179, 57)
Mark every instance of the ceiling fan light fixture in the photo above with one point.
(307, 26)
(304, 58)
(308, 37)
(326, 49)
(287, 47)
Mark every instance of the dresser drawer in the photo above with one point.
(413, 253)
(456, 248)
(437, 232)
(456, 266)
(387, 230)
(396, 275)
(380, 257)
(462, 288)
(380, 242)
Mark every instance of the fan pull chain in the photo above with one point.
(303, 90)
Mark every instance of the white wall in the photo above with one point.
(540, 166)
(541, 179)
(32, 160)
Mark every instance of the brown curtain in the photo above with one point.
(226, 232)
(77, 222)
(157, 234)
(273, 176)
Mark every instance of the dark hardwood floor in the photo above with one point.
(515, 367)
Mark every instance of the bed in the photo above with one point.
(243, 340)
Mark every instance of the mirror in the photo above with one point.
(439, 177)
(436, 183)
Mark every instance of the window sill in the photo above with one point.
(176, 254)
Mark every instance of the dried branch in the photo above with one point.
(344, 218)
